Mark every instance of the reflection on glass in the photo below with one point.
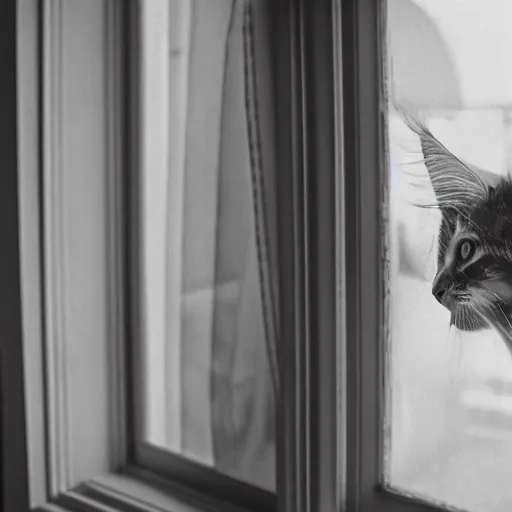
(449, 429)
(208, 235)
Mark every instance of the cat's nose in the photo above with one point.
(439, 290)
(439, 294)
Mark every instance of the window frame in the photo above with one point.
(311, 309)
(365, 179)
(14, 471)
(331, 161)
(43, 21)
(305, 456)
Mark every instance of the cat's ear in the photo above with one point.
(456, 183)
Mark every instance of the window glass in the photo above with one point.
(449, 378)
(208, 240)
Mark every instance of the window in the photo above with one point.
(217, 276)
(430, 402)
(449, 427)
(113, 117)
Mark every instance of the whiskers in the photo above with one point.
(467, 315)
(491, 312)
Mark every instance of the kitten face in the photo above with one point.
(474, 274)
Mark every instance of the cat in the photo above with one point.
(474, 262)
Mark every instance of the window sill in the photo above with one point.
(135, 490)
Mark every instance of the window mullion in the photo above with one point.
(309, 354)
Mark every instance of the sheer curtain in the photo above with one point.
(218, 310)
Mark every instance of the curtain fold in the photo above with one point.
(261, 136)
(229, 327)
(244, 366)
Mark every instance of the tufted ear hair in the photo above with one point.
(457, 184)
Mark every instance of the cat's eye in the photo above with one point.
(466, 249)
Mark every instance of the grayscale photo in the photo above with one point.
(449, 350)
(256, 256)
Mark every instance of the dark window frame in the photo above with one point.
(310, 353)
(13, 450)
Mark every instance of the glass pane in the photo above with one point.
(208, 235)
(449, 428)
